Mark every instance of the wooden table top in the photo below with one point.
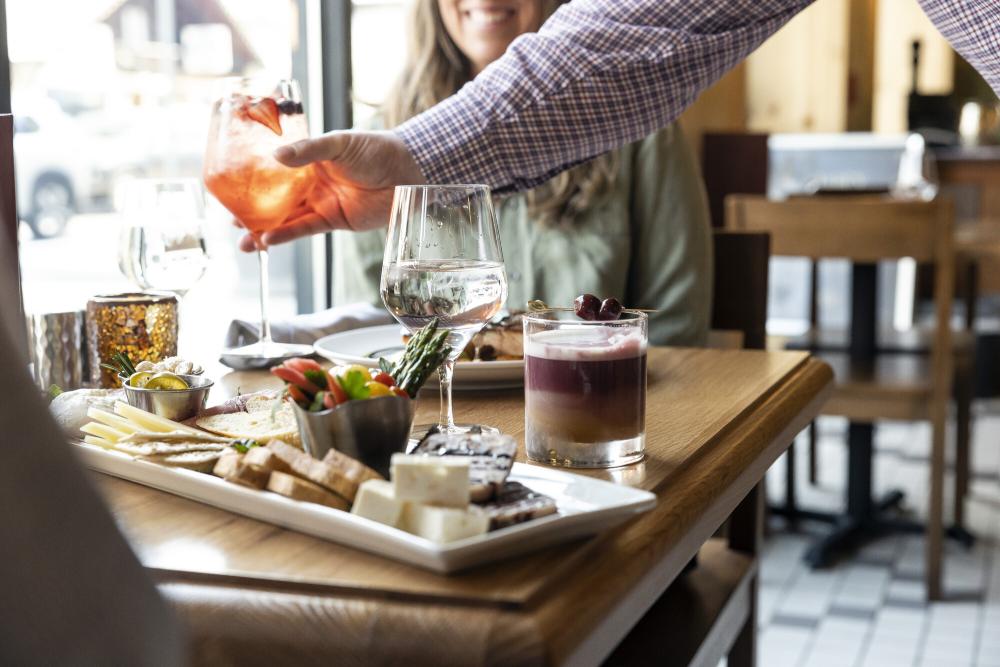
(716, 420)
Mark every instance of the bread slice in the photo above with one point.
(353, 469)
(297, 488)
(314, 470)
(261, 402)
(233, 467)
(265, 458)
(261, 424)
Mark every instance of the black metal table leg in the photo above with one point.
(865, 517)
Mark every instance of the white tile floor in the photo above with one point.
(870, 609)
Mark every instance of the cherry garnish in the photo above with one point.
(611, 309)
(586, 306)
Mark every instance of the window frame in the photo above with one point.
(332, 56)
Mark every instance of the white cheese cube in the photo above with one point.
(432, 480)
(444, 524)
(377, 501)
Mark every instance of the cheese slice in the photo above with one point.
(102, 431)
(377, 501)
(431, 480)
(112, 420)
(444, 524)
(147, 421)
(98, 442)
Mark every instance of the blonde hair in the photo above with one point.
(436, 68)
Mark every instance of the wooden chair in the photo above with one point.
(9, 225)
(874, 386)
(732, 163)
(710, 612)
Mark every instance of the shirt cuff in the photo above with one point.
(450, 143)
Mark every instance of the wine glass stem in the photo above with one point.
(446, 421)
(265, 322)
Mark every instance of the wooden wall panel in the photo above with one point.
(797, 81)
(898, 23)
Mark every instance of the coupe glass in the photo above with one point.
(251, 119)
(443, 260)
(162, 238)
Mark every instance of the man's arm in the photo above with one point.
(599, 74)
(973, 28)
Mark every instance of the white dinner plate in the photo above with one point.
(365, 346)
(585, 507)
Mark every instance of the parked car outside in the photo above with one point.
(53, 164)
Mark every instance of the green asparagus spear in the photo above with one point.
(424, 353)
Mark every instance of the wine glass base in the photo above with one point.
(262, 355)
(420, 430)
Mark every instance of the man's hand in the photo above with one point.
(356, 173)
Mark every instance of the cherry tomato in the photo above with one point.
(335, 389)
(385, 379)
(399, 391)
(377, 389)
(329, 401)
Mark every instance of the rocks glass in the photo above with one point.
(585, 389)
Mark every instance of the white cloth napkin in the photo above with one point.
(307, 329)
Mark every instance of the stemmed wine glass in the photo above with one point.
(443, 260)
(162, 244)
(251, 119)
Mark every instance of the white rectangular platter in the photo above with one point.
(585, 507)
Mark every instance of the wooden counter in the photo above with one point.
(252, 593)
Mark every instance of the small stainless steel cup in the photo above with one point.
(370, 430)
(175, 404)
(55, 343)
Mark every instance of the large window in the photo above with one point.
(104, 91)
(378, 41)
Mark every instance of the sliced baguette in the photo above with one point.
(297, 488)
(305, 466)
(265, 458)
(352, 468)
(233, 467)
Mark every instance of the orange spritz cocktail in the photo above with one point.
(249, 121)
(240, 169)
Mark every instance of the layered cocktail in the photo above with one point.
(585, 389)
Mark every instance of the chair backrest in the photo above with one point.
(9, 264)
(862, 229)
(739, 301)
(866, 230)
(8, 202)
(732, 163)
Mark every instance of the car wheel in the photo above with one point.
(52, 206)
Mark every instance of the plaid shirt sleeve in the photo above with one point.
(599, 74)
(602, 73)
(973, 28)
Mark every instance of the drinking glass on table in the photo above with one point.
(162, 237)
(443, 260)
(251, 119)
(585, 389)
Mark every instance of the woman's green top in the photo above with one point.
(647, 241)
